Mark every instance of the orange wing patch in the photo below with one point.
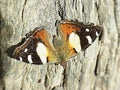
(41, 34)
(67, 29)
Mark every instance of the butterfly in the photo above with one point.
(71, 38)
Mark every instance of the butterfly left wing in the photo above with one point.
(78, 36)
(34, 49)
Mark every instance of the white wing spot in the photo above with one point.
(87, 29)
(74, 41)
(30, 59)
(20, 58)
(42, 52)
(89, 39)
(97, 34)
(25, 50)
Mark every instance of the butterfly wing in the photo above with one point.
(35, 48)
(78, 35)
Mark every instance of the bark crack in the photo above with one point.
(64, 84)
(23, 9)
(61, 9)
(96, 66)
(22, 81)
(74, 4)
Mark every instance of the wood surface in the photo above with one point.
(97, 68)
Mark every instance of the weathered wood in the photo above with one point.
(95, 69)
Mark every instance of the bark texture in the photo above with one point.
(98, 68)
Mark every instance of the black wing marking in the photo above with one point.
(88, 34)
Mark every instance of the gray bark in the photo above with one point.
(98, 68)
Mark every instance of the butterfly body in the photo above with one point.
(71, 38)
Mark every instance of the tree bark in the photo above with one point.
(97, 68)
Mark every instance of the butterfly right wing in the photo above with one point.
(78, 36)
